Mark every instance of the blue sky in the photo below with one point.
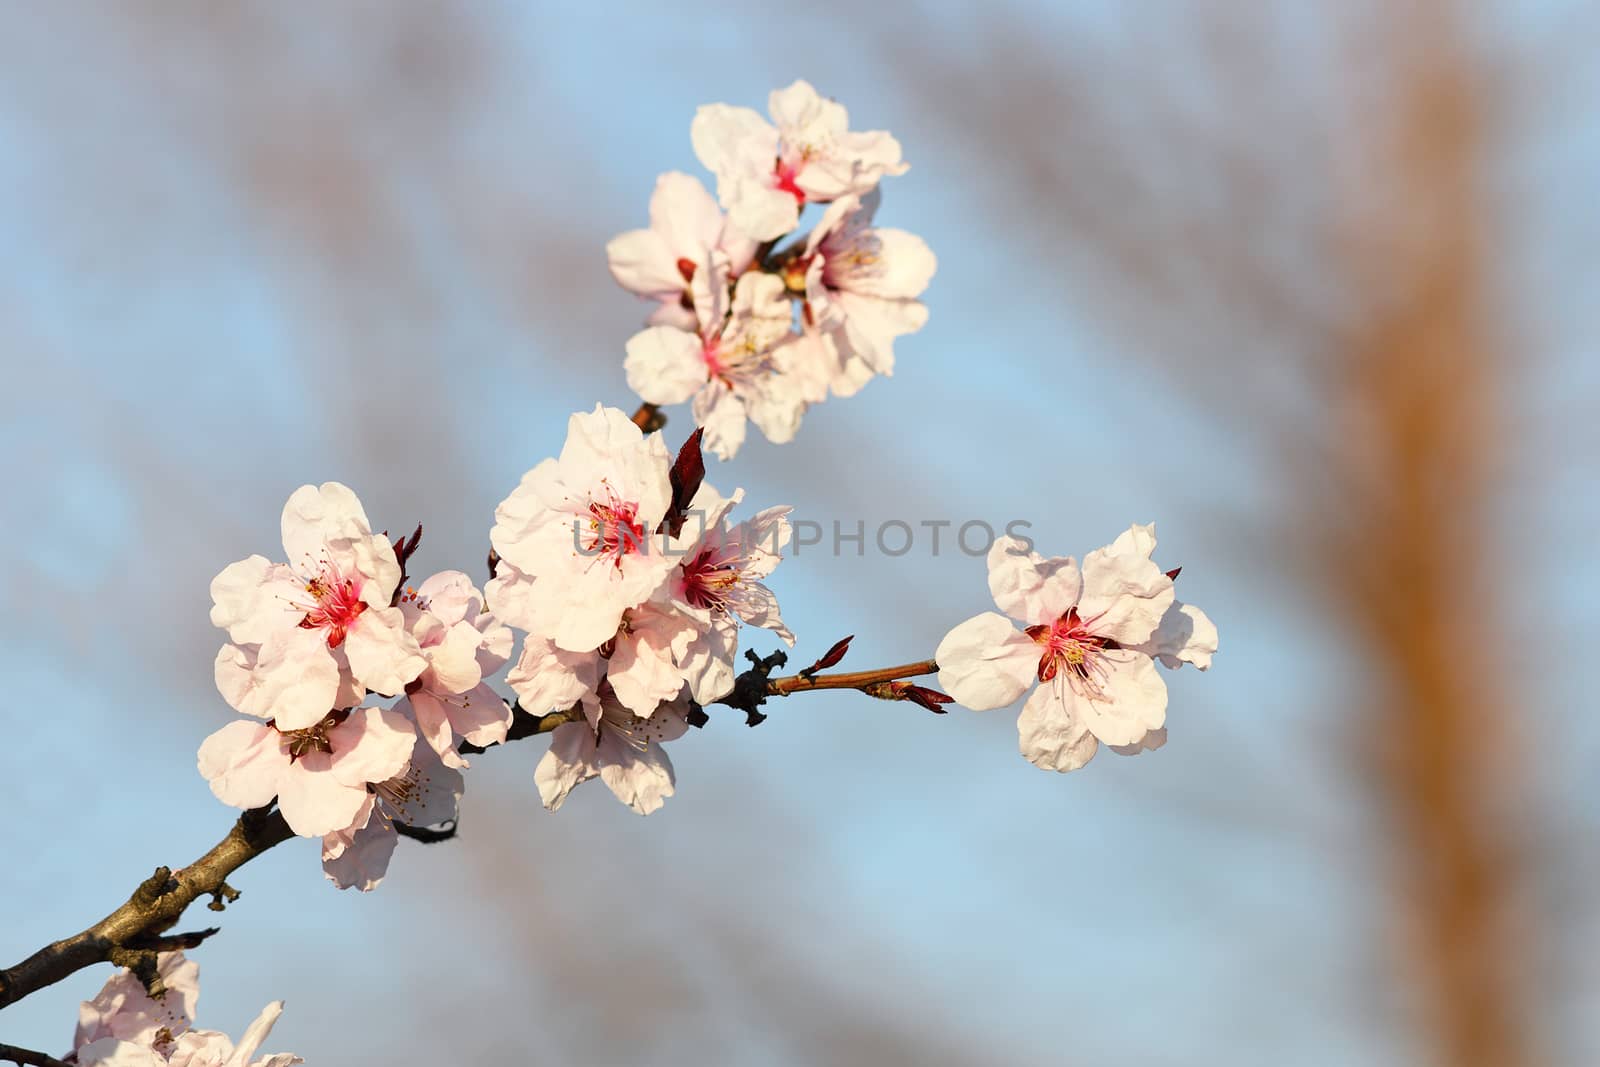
(242, 256)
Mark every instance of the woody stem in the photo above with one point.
(797, 683)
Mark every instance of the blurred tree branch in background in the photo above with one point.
(1306, 259)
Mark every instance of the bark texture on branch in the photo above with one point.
(132, 934)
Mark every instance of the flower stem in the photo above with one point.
(799, 683)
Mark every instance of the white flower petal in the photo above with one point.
(383, 656)
(1050, 734)
(1135, 698)
(664, 365)
(1124, 595)
(570, 760)
(986, 663)
(244, 763)
(1186, 635)
(1028, 587)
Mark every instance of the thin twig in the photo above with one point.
(13, 1054)
(799, 683)
(152, 909)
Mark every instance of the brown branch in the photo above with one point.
(13, 1054)
(131, 935)
(123, 936)
(752, 688)
(799, 683)
(649, 418)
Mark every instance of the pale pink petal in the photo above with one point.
(481, 716)
(570, 760)
(1135, 699)
(709, 664)
(721, 414)
(673, 313)
(317, 518)
(1138, 539)
(291, 678)
(1148, 743)
(110, 1052)
(427, 793)
(685, 215)
(643, 262)
(1124, 595)
(902, 267)
(728, 140)
(363, 860)
(433, 723)
(255, 1034)
(453, 662)
(374, 558)
(853, 374)
(871, 325)
(314, 801)
(664, 365)
(582, 610)
(1186, 635)
(245, 763)
(510, 594)
(238, 596)
(547, 677)
(799, 107)
(450, 597)
(1028, 587)
(986, 662)
(761, 211)
(372, 745)
(383, 655)
(1050, 733)
(640, 779)
(776, 409)
(643, 675)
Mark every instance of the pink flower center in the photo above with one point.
(335, 605)
(1068, 649)
(614, 529)
(786, 174)
(711, 352)
(709, 580)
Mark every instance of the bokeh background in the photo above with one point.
(1311, 285)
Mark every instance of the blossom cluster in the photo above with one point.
(125, 1026)
(748, 324)
(624, 569)
(627, 573)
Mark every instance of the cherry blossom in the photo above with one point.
(196, 1048)
(546, 677)
(621, 748)
(641, 663)
(1089, 637)
(860, 285)
(462, 642)
(577, 538)
(426, 793)
(320, 774)
(686, 230)
(124, 1010)
(334, 594)
(766, 172)
(719, 584)
(733, 368)
(124, 1026)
